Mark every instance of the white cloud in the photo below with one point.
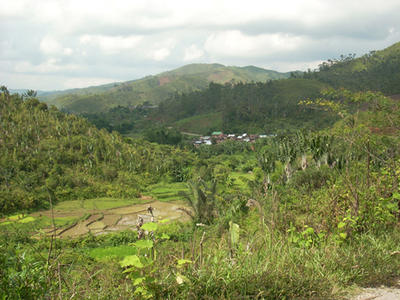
(52, 65)
(234, 43)
(68, 51)
(285, 66)
(111, 44)
(193, 53)
(96, 38)
(160, 54)
(49, 45)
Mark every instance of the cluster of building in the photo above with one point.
(218, 137)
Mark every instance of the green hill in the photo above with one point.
(252, 107)
(376, 71)
(46, 153)
(272, 106)
(155, 89)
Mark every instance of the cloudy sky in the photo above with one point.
(55, 44)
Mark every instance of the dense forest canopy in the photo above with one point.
(45, 151)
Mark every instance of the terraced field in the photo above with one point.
(101, 216)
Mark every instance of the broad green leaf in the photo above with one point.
(131, 260)
(164, 236)
(396, 196)
(308, 231)
(184, 261)
(343, 235)
(129, 270)
(143, 244)
(143, 292)
(150, 226)
(341, 225)
(138, 280)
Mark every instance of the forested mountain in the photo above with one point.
(375, 71)
(272, 106)
(193, 103)
(154, 89)
(46, 153)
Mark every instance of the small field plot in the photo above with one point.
(20, 218)
(200, 123)
(240, 180)
(167, 191)
(94, 204)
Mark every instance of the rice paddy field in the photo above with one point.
(105, 215)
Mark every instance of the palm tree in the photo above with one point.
(201, 198)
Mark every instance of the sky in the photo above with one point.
(55, 44)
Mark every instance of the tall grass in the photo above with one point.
(268, 266)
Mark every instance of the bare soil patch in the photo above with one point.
(379, 293)
(123, 218)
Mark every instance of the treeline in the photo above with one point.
(252, 107)
(120, 118)
(375, 71)
(46, 153)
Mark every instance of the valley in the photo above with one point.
(194, 184)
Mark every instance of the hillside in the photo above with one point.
(272, 106)
(46, 153)
(302, 216)
(376, 71)
(297, 216)
(50, 96)
(253, 107)
(155, 89)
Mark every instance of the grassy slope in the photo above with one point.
(200, 123)
(157, 88)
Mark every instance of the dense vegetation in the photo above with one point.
(318, 213)
(301, 215)
(254, 107)
(45, 152)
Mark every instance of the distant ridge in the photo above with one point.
(155, 89)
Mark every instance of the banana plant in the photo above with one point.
(267, 161)
(287, 154)
(321, 146)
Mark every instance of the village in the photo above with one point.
(218, 137)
